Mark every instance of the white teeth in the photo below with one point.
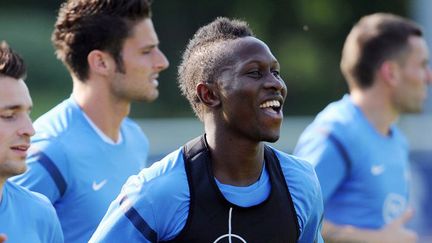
(270, 103)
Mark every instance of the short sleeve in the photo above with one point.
(45, 171)
(326, 154)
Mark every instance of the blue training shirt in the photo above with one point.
(27, 216)
(77, 170)
(363, 174)
(159, 195)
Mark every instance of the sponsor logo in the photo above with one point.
(98, 186)
(377, 169)
(394, 206)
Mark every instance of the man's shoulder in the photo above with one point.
(290, 162)
(33, 200)
(338, 114)
(161, 182)
(57, 122)
(166, 170)
(337, 121)
(130, 123)
(132, 129)
(298, 173)
(31, 210)
(301, 180)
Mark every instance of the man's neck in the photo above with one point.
(236, 161)
(105, 111)
(377, 109)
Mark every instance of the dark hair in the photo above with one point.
(86, 25)
(11, 64)
(204, 56)
(373, 40)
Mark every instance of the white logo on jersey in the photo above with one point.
(394, 206)
(229, 235)
(377, 169)
(98, 186)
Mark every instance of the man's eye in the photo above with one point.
(254, 74)
(276, 73)
(7, 116)
(146, 51)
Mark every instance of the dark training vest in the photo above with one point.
(213, 219)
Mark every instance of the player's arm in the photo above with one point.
(394, 232)
(122, 221)
(3, 238)
(310, 208)
(311, 230)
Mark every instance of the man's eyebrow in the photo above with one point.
(253, 61)
(149, 46)
(14, 107)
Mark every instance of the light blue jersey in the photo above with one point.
(158, 201)
(27, 216)
(77, 170)
(363, 174)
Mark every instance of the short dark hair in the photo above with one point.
(86, 25)
(374, 39)
(11, 64)
(204, 56)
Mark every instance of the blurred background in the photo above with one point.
(305, 35)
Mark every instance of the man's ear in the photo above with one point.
(389, 72)
(99, 62)
(207, 94)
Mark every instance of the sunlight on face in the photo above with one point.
(143, 61)
(415, 76)
(15, 126)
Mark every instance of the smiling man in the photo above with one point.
(24, 216)
(226, 185)
(85, 148)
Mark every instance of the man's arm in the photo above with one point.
(394, 232)
(3, 238)
(122, 221)
(311, 232)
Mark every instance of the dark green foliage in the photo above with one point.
(305, 35)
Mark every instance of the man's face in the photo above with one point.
(142, 61)
(414, 75)
(15, 126)
(251, 91)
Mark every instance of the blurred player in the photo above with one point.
(359, 154)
